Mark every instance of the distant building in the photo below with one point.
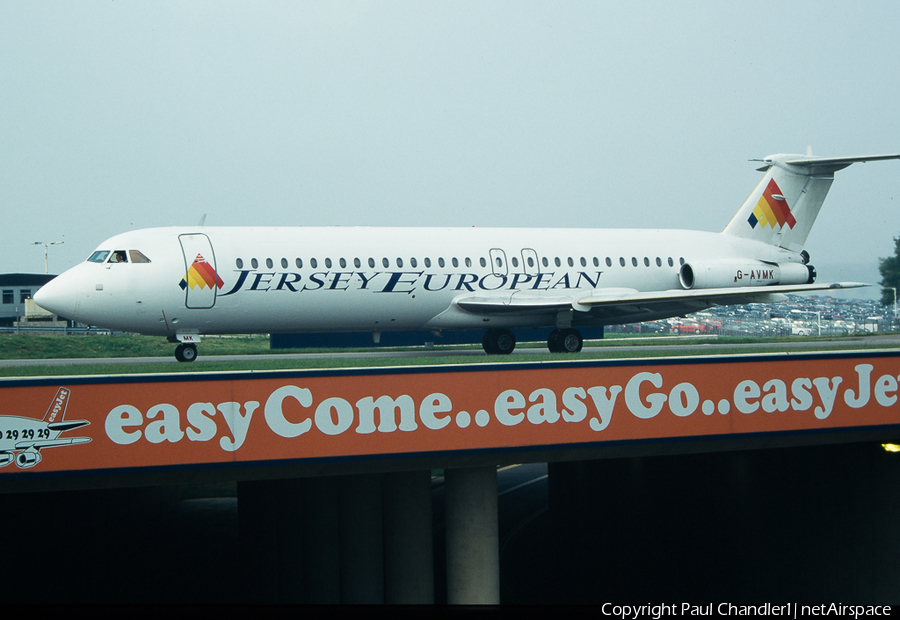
(15, 289)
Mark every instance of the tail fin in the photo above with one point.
(783, 207)
(57, 410)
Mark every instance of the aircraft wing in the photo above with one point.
(50, 443)
(624, 302)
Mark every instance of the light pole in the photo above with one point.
(47, 252)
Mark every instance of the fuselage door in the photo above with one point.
(201, 280)
(530, 262)
(498, 262)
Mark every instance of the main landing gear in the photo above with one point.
(502, 341)
(186, 352)
(565, 341)
(498, 342)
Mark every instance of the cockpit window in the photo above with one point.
(137, 256)
(99, 256)
(118, 256)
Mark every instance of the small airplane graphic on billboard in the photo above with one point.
(22, 439)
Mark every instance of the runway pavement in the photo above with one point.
(687, 344)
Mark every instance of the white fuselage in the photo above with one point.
(264, 280)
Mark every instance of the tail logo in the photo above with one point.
(772, 209)
(201, 274)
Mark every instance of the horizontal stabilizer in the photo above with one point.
(831, 164)
(67, 426)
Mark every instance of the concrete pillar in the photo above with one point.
(473, 549)
(361, 544)
(409, 556)
(321, 541)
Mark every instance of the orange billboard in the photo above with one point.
(98, 423)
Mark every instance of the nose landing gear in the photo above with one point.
(186, 352)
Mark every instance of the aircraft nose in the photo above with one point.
(59, 296)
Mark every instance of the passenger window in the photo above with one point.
(634, 261)
(413, 262)
(239, 263)
(468, 262)
(622, 261)
(515, 261)
(269, 263)
(399, 262)
(284, 263)
(385, 262)
(571, 262)
(596, 262)
(680, 260)
(299, 263)
(646, 262)
(357, 263)
(557, 261)
(455, 262)
(137, 257)
(440, 262)
(608, 261)
(671, 263)
(545, 262)
(255, 263)
(427, 262)
(658, 261)
(482, 262)
(99, 256)
(313, 263)
(531, 261)
(371, 262)
(343, 263)
(327, 263)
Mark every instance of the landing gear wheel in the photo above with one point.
(553, 342)
(498, 342)
(570, 341)
(487, 342)
(186, 352)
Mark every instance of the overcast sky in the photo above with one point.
(117, 115)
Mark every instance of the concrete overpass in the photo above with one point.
(334, 467)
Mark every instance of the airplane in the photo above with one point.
(28, 436)
(184, 283)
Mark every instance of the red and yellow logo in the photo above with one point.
(201, 274)
(772, 209)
